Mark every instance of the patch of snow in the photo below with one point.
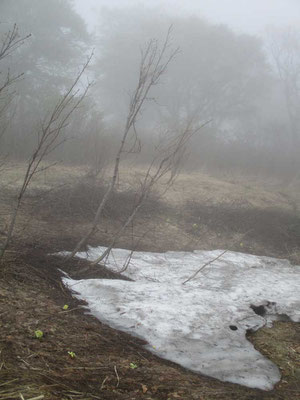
(200, 325)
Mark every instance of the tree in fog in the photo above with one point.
(155, 60)
(10, 42)
(49, 59)
(48, 138)
(218, 76)
(284, 47)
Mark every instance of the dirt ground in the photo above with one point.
(77, 356)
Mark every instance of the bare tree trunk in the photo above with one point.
(284, 48)
(166, 163)
(119, 233)
(49, 139)
(154, 62)
(10, 42)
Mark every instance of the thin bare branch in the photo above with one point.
(154, 62)
(48, 140)
(211, 261)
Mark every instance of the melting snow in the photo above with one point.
(200, 325)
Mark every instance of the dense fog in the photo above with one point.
(244, 88)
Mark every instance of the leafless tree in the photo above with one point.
(9, 43)
(284, 46)
(164, 167)
(155, 60)
(49, 138)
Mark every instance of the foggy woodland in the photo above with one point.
(149, 199)
(246, 88)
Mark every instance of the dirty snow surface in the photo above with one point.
(200, 325)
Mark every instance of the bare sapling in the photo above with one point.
(284, 47)
(154, 63)
(164, 168)
(48, 139)
(9, 43)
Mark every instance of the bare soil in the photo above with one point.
(200, 212)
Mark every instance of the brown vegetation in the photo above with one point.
(32, 296)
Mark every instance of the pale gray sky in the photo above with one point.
(242, 15)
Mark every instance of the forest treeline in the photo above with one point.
(245, 89)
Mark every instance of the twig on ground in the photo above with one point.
(203, 266)
(103, 383)
(215, 259)
(117, 375)
(68, 311)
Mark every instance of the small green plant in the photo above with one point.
(133, 365)
(72, 354)
(65, 307)
(195, 226)
(38, 334)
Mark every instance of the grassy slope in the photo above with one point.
(57, 210)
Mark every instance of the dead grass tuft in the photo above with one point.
(80, 200)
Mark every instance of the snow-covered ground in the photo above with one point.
(200, 325)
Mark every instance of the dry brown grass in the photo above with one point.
(199, 186)
(63, 198)
(53, 217)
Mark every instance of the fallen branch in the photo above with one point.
(117, 375)
(203, 266)
(211, 261)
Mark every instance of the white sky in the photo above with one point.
(250, 16)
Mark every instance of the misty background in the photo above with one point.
(238, 67)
